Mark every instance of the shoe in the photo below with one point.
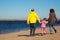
(51, 33)
(30, 34)
(44, 33)
(55, 31)
(33, 35)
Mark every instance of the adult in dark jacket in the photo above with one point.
(52, 19)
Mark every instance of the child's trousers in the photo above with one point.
(43, 30)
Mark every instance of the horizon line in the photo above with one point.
(17, 19)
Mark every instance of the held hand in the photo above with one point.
(27, 22)
(40, 22)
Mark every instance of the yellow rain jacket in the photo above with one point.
(32, 18)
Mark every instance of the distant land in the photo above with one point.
(12, 19)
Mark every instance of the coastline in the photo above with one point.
(24, 35)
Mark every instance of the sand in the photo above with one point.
(24, 35)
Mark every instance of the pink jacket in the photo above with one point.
(43, 23)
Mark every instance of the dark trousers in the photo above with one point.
(32, 29)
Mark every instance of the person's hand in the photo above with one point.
(40, 22)
(27, 23)
(56, 19)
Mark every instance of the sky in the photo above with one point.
(21, 8)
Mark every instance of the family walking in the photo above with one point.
(33, 18)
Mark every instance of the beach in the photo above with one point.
(24, 35)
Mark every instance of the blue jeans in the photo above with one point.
(52, 27)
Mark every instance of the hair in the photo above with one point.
(32, 10)
(44, 18)
(52, 11)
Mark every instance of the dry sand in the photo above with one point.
(24, 35)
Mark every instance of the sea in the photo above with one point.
(18, 25)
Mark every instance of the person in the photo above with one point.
(43, 25)
(32, 19)
(52, 19)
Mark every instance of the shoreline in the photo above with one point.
(22, 30)
(24, 35)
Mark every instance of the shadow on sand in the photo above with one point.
(37, 34)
